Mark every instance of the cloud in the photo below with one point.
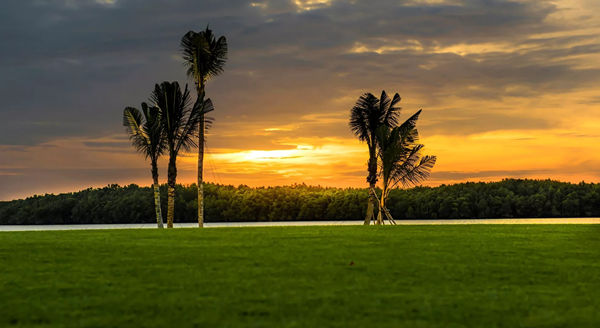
(295, 68)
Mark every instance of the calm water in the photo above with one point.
(294, 223)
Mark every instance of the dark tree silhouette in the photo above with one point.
(368, 114)
(204, 56)
(401, 162)
(512, 198)
(146, 134)
(179, 121)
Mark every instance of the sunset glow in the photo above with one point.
(507, 88)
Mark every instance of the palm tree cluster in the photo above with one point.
(394, 149)
(171, 122)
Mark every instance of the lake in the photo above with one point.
(295, 223)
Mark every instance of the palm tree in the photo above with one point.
(401, 160)
(146, 134)
(179, 121)
(367, 115)
(204, 57)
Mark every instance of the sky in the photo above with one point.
(507, 88)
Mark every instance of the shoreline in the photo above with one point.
(57, 227)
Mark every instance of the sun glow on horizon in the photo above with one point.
(303, 153)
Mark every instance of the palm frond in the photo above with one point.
(203, 54)
(416, 174)
(392, 112)
(178, 118)
(208, 122)
(364, 118)
(384, 103)
(132, 121)
(400, 156)
(208, 106)
(203, 105)
(154, 129)
(144, 130)
(411, 122)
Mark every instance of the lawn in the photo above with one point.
(351, 276)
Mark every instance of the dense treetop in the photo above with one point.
(133, 204)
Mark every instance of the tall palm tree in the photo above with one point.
(204, 56)
(179, 121)
(368, 114)
(401, 161)
(146, 134)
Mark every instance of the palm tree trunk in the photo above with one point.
(200, 172)
(385, 210)
(159, 220)
(372, 180)
(200, 92)
(370, 206)
(171, 180)
(381, 207)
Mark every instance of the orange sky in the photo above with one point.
(520, 102)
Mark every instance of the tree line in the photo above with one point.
(510, 198)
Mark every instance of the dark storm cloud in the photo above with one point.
(74, 65)
(68, 67)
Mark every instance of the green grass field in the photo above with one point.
(412, 276)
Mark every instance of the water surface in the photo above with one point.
(295, 223)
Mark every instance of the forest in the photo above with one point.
(509, 198)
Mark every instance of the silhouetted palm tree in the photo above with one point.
(401, 162)
(204, 57)
(146, 134)
(179, 121)
(367, 115)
